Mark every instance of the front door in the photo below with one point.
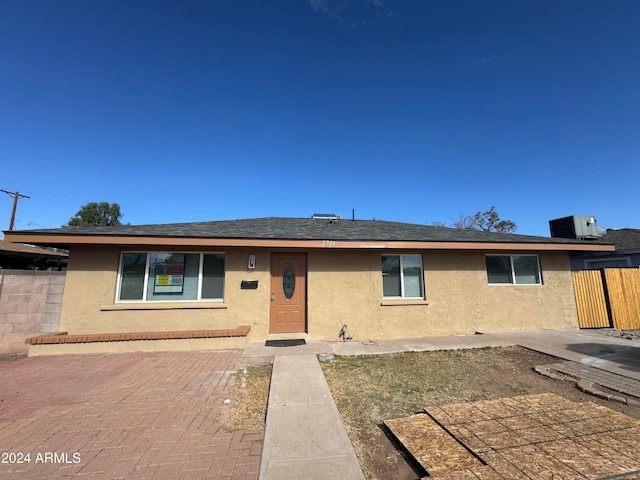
(288, 292)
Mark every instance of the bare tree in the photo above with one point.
(488, 221)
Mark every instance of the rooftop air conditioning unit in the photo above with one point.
(580, 227)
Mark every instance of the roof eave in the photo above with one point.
(70, 240)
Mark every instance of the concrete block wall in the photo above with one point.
(30, 304)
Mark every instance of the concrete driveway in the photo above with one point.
(135, 415)
(595, 348)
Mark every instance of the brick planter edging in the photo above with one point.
(64, 337)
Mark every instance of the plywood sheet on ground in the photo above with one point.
(533, 437)
(440, 453)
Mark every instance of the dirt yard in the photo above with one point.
(370, 389)
(248, 393)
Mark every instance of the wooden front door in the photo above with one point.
(288, 292)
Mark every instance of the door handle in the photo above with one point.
(273, 298)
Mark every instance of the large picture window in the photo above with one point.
(513, 270)
(402, 276)
(169, 277)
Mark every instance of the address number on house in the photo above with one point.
(328, 243)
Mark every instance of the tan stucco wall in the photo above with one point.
(89, 299)
(343, 287)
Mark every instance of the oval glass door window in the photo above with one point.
(288, 281)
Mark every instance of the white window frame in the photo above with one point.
(513, 270)
(146, 277)
(402, 295)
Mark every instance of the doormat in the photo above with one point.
(293, 342)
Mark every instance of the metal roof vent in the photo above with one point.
(326, 216)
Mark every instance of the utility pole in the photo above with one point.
(16, 195)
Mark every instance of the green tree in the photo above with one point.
(488, 221)
(93, 214)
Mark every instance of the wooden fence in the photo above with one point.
(590, 299)
(609, 297)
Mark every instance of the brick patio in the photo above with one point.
(138, 415)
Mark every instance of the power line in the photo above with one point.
(16, 195)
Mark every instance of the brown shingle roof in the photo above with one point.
(304, 229)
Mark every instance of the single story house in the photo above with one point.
(281, 277)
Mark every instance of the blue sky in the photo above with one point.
(408, 110)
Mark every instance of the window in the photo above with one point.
(513, 269)
(169, 277)
(402, 276)
(607, 263)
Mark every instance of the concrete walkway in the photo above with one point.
(587, 347)
(304, 436)
(456, 342)
(317, 347)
